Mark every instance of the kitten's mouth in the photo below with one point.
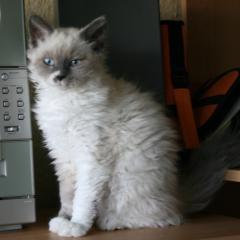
(58, 81)
(61, 82)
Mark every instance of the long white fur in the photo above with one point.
(114, 149)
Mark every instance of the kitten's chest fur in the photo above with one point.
(76, 117)
(104, 119)
(64, 112)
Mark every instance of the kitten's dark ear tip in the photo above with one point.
(99, 22)
(38, 29)
(102, 19)
(32, 18)
(94, 33)
(35, 19)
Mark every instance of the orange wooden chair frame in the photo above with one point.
(178, 94)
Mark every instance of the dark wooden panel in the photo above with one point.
(213, 37)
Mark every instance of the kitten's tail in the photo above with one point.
(204, 174)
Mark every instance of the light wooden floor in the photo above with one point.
(204, 227)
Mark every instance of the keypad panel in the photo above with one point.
(15, 105)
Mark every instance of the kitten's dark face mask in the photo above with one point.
(62, 70)
(64, 57)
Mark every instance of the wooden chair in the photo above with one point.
(177, 92)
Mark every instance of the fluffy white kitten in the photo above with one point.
(114, 149)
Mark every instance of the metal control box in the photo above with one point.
(15, 109)
(17, 202)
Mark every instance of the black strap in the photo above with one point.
(177, 60)
(209, 101)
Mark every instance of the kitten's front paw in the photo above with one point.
(56, 224)
(63, 227)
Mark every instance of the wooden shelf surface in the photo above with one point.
(233, 175)
(202, 227)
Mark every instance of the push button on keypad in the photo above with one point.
(20, 116)
(6, 117)
(5, 90)
(11, 129)
(4, 76)
(20, 103)
(19, 90)
(6, 103)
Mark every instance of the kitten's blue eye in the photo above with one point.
(48, 61)
(75, 62)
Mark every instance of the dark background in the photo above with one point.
(133, 36)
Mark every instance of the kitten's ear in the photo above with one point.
(94, 33)
(39, 29)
